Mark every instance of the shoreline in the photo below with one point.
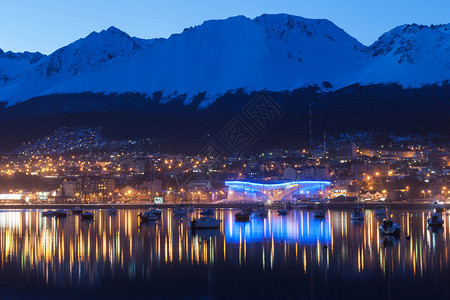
(372, 205)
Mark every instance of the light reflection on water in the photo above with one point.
(116, 255)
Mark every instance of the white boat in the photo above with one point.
(205, 222)
(77, 210)
(435, 220)
(148, 216)
(48, 213)
(283, 212)
(112, 211)
(381, 210)
(87, 215)
(357, 214)
(389, 227)
(60, 213)
(180, 212)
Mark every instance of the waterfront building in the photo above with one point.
(263, 191)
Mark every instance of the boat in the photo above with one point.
(60, 213)
(358, 211)
(243, 216)
(87, 216)
(438, 207)
(389, 227)
(319, 212)
(48, 213)
(148, 216)
(112, 211)
(357, 214)
(261, 213)
(282, 212)
(205, 222)
(77, 210)
(435, 220)
(380, 210)
(180, 211)
(207, 212)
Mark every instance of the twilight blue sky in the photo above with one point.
(46, 25)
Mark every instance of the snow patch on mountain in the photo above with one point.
(12, 64)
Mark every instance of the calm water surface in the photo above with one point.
(294, 256)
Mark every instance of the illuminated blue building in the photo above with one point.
(276, 190)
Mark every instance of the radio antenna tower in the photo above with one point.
(310, 129)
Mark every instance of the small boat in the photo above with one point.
(319, 212)
(357, 214)
(191, 209)
(282, 212)
(438, 207)
(112, 211)
(180, 212)
(380, 210)
(435, 220)
(389, 227)
(77, 210)
(243, 216)
(48, 213)
(87, 216)
(207, 212)
(205, 222)
(60, 213)
(261, 213)
(148, 216)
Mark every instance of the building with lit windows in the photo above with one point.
(262, 191)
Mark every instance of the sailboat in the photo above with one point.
(436, 218)
(358, 211)
(389, 226)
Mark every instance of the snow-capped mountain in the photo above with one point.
(412, 55)
(272, 52)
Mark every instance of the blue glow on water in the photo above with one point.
(300, 227)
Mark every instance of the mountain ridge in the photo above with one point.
(270, 52)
